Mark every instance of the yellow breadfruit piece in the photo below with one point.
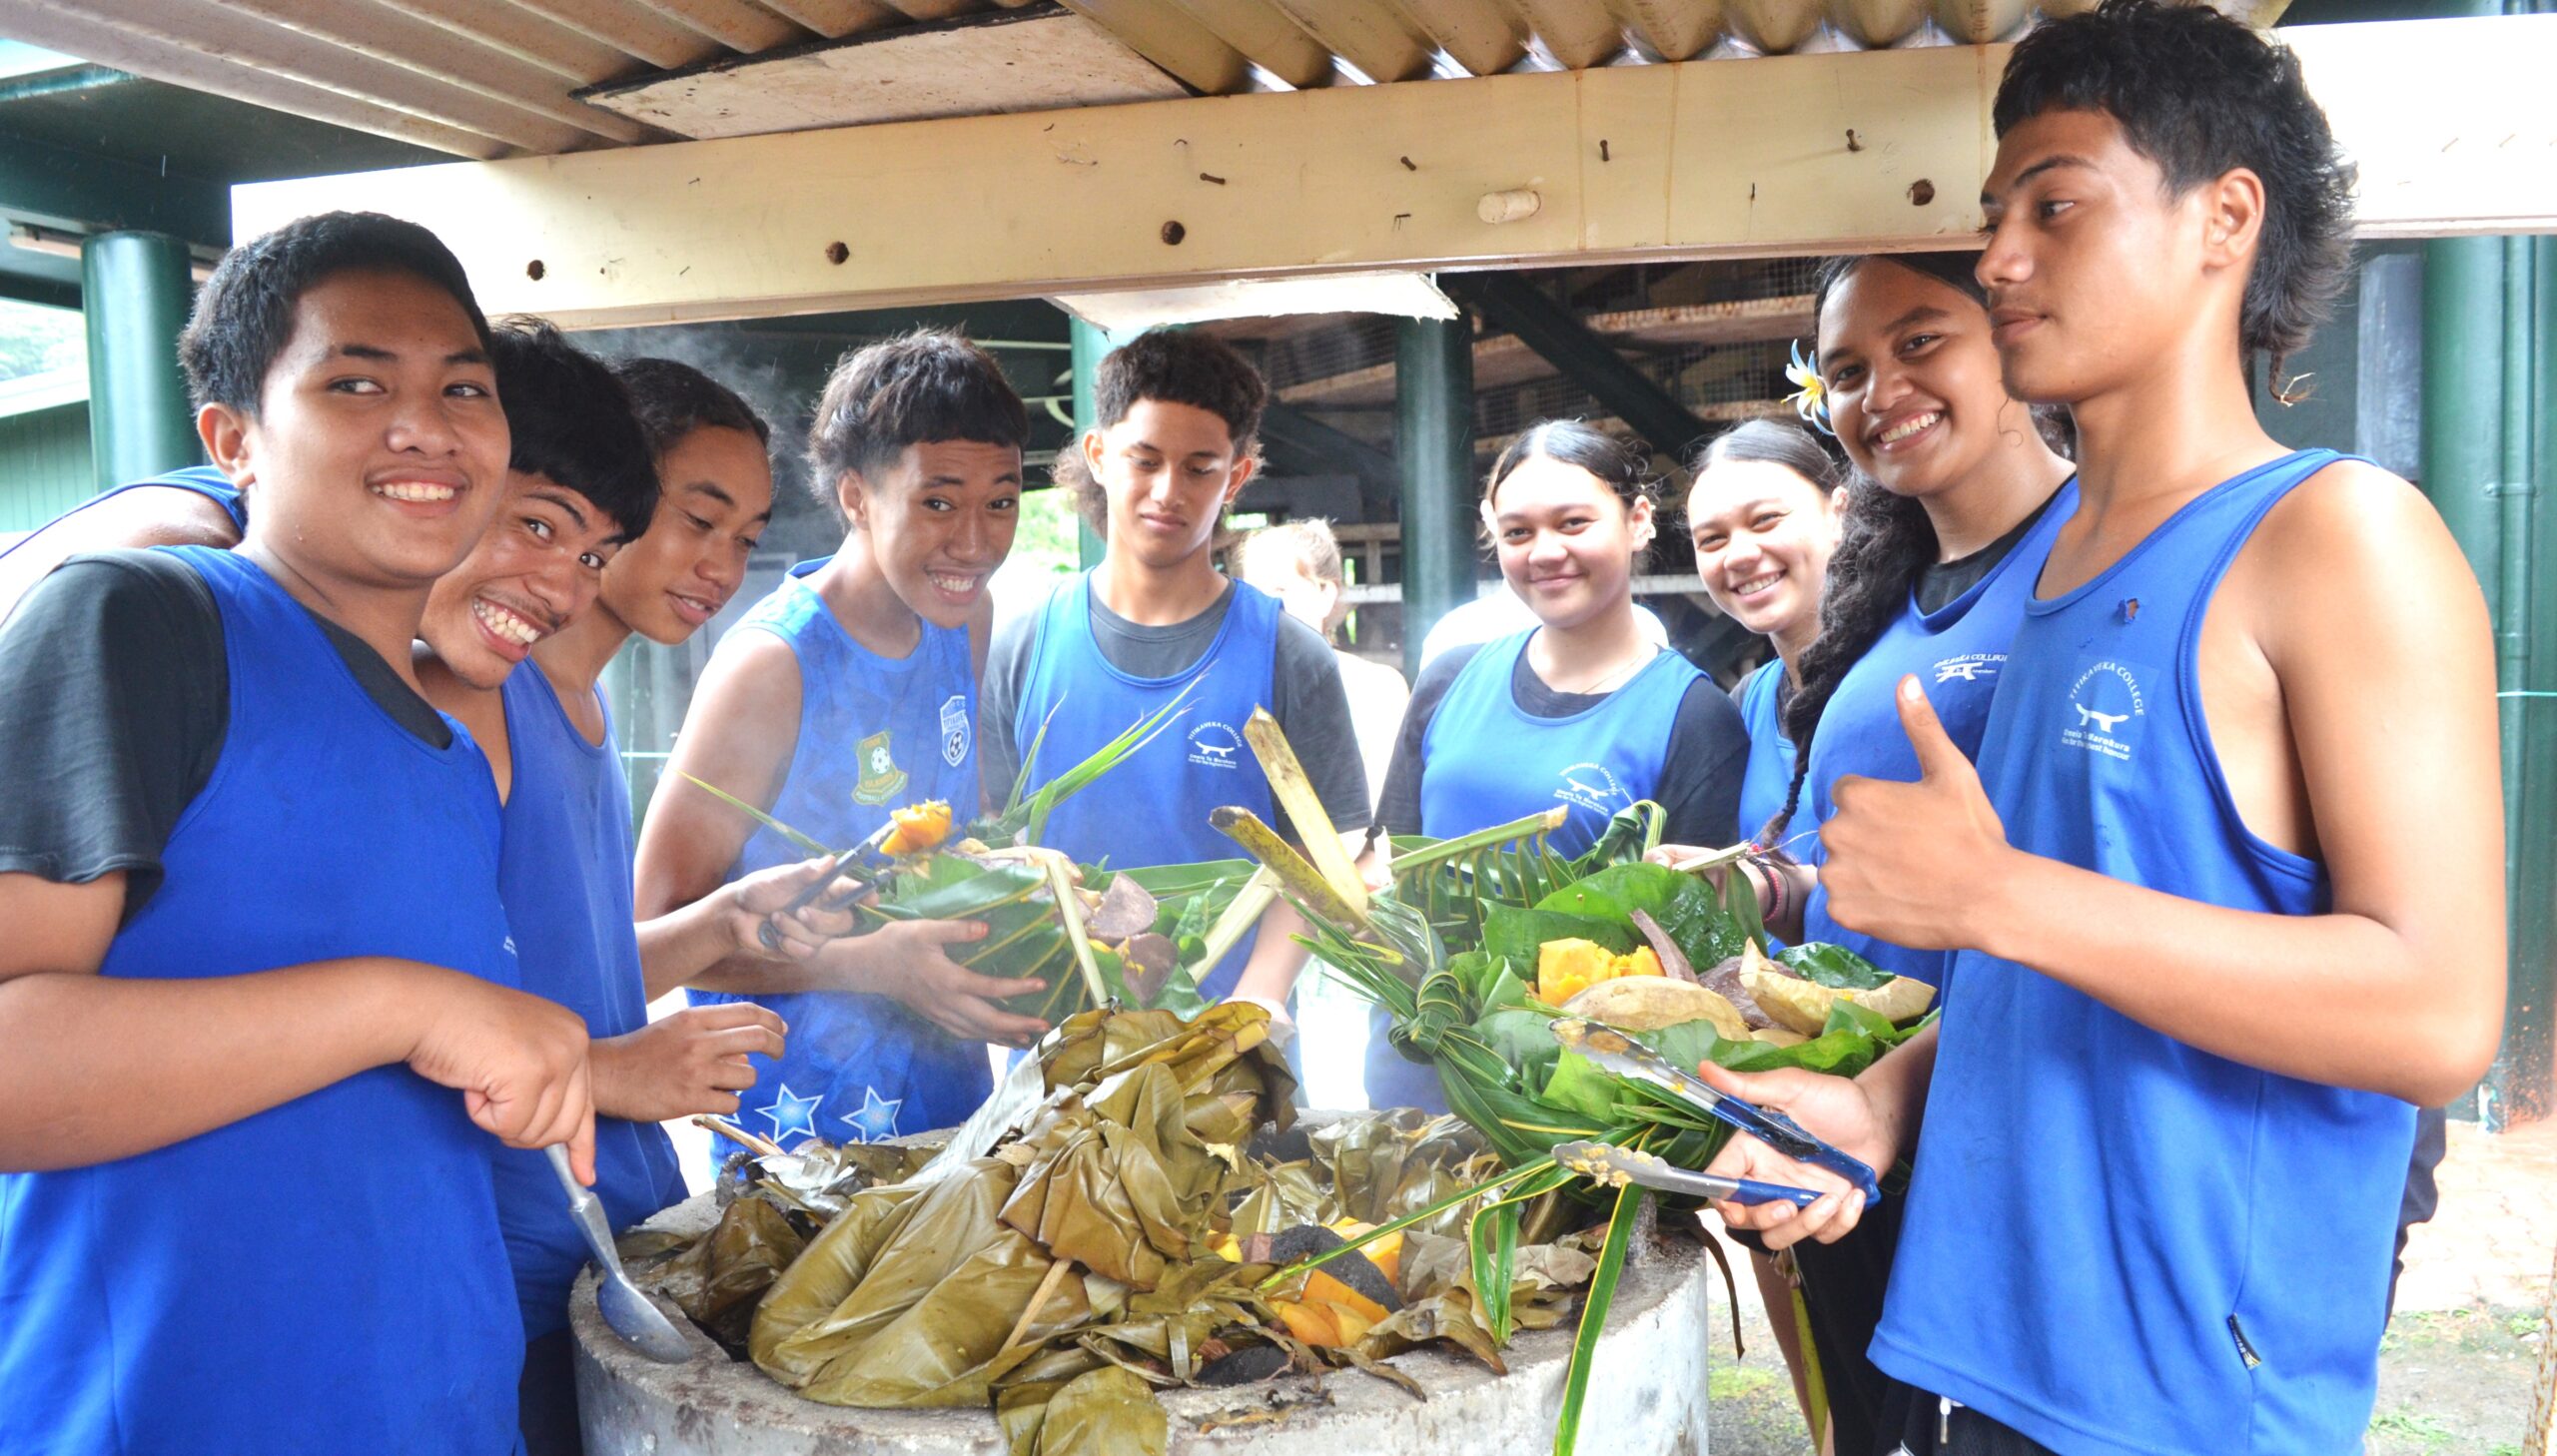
(1566, 968)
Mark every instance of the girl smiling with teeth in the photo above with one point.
(1957, 497)
(1763, 513)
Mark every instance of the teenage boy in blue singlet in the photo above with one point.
(1177, 415)
(849, 692)
(582, 484)
(2203, 976)
(252, 884)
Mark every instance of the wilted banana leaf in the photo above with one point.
(934, 1291)
(1109, 1412)
(717, 1279)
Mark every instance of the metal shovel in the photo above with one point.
(642, 1325)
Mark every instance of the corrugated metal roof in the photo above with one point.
(492, 78)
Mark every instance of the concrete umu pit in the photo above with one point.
(1648, 1395)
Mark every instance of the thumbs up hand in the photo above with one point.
(1907, 863)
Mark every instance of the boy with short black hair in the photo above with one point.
(1176, 423)
(2204, 976)
(251, 881)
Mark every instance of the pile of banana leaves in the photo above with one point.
(1105, 1227)
(1451, 949)
(1134, 936)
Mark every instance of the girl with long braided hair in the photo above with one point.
(1956, 494)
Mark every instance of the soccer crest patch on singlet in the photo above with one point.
(881, 779)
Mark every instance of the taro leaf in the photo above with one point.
(1682, 904)
(1847, 1015)
(1578, 1086)
(1477, 975)
(1506, 991)
(1525, 1038)
(1513, 935)
(1109, 1412)
(1833, 966)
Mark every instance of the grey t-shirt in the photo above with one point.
(1311, 708)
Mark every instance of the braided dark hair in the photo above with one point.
(1884, 543)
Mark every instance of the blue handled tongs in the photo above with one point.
(1622, 1055)
(1615, 1167)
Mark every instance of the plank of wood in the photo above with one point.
(1008, 61)
(2446, 119)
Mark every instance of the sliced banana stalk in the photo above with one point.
(1296, 877)
(1304, 808)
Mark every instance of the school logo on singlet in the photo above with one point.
(2106, 711)
(881, 779)
(954, 730)
(1970, 667)
(1590, 786)
(1216, 746)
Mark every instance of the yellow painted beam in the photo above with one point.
(1636, 162)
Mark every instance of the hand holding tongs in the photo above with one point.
(1607, 1164)
(1622, 1055)
(825, 881)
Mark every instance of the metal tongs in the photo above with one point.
(846, 865)
(1607, 1164)
(1622, 1055)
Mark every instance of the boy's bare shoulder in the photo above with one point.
(2350, 514)
(2336, 559)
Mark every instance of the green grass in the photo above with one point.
(2413, 1425)
(1731, 1382)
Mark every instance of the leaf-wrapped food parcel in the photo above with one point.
(930, 1291)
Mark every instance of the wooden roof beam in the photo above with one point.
(1483, 39)
(1701, 160)
(1367, 35)
(1165, 34)
(1273, 42)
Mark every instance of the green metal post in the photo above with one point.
(1434, 442)
(1091, 346)
(2484, 320)
(134, 290)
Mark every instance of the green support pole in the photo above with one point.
(1091, 346)
(1434, 442)
(2484, 320)
(135, 291)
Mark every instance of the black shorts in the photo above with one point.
(1925, 1426)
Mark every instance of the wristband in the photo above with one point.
(1774, 909)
